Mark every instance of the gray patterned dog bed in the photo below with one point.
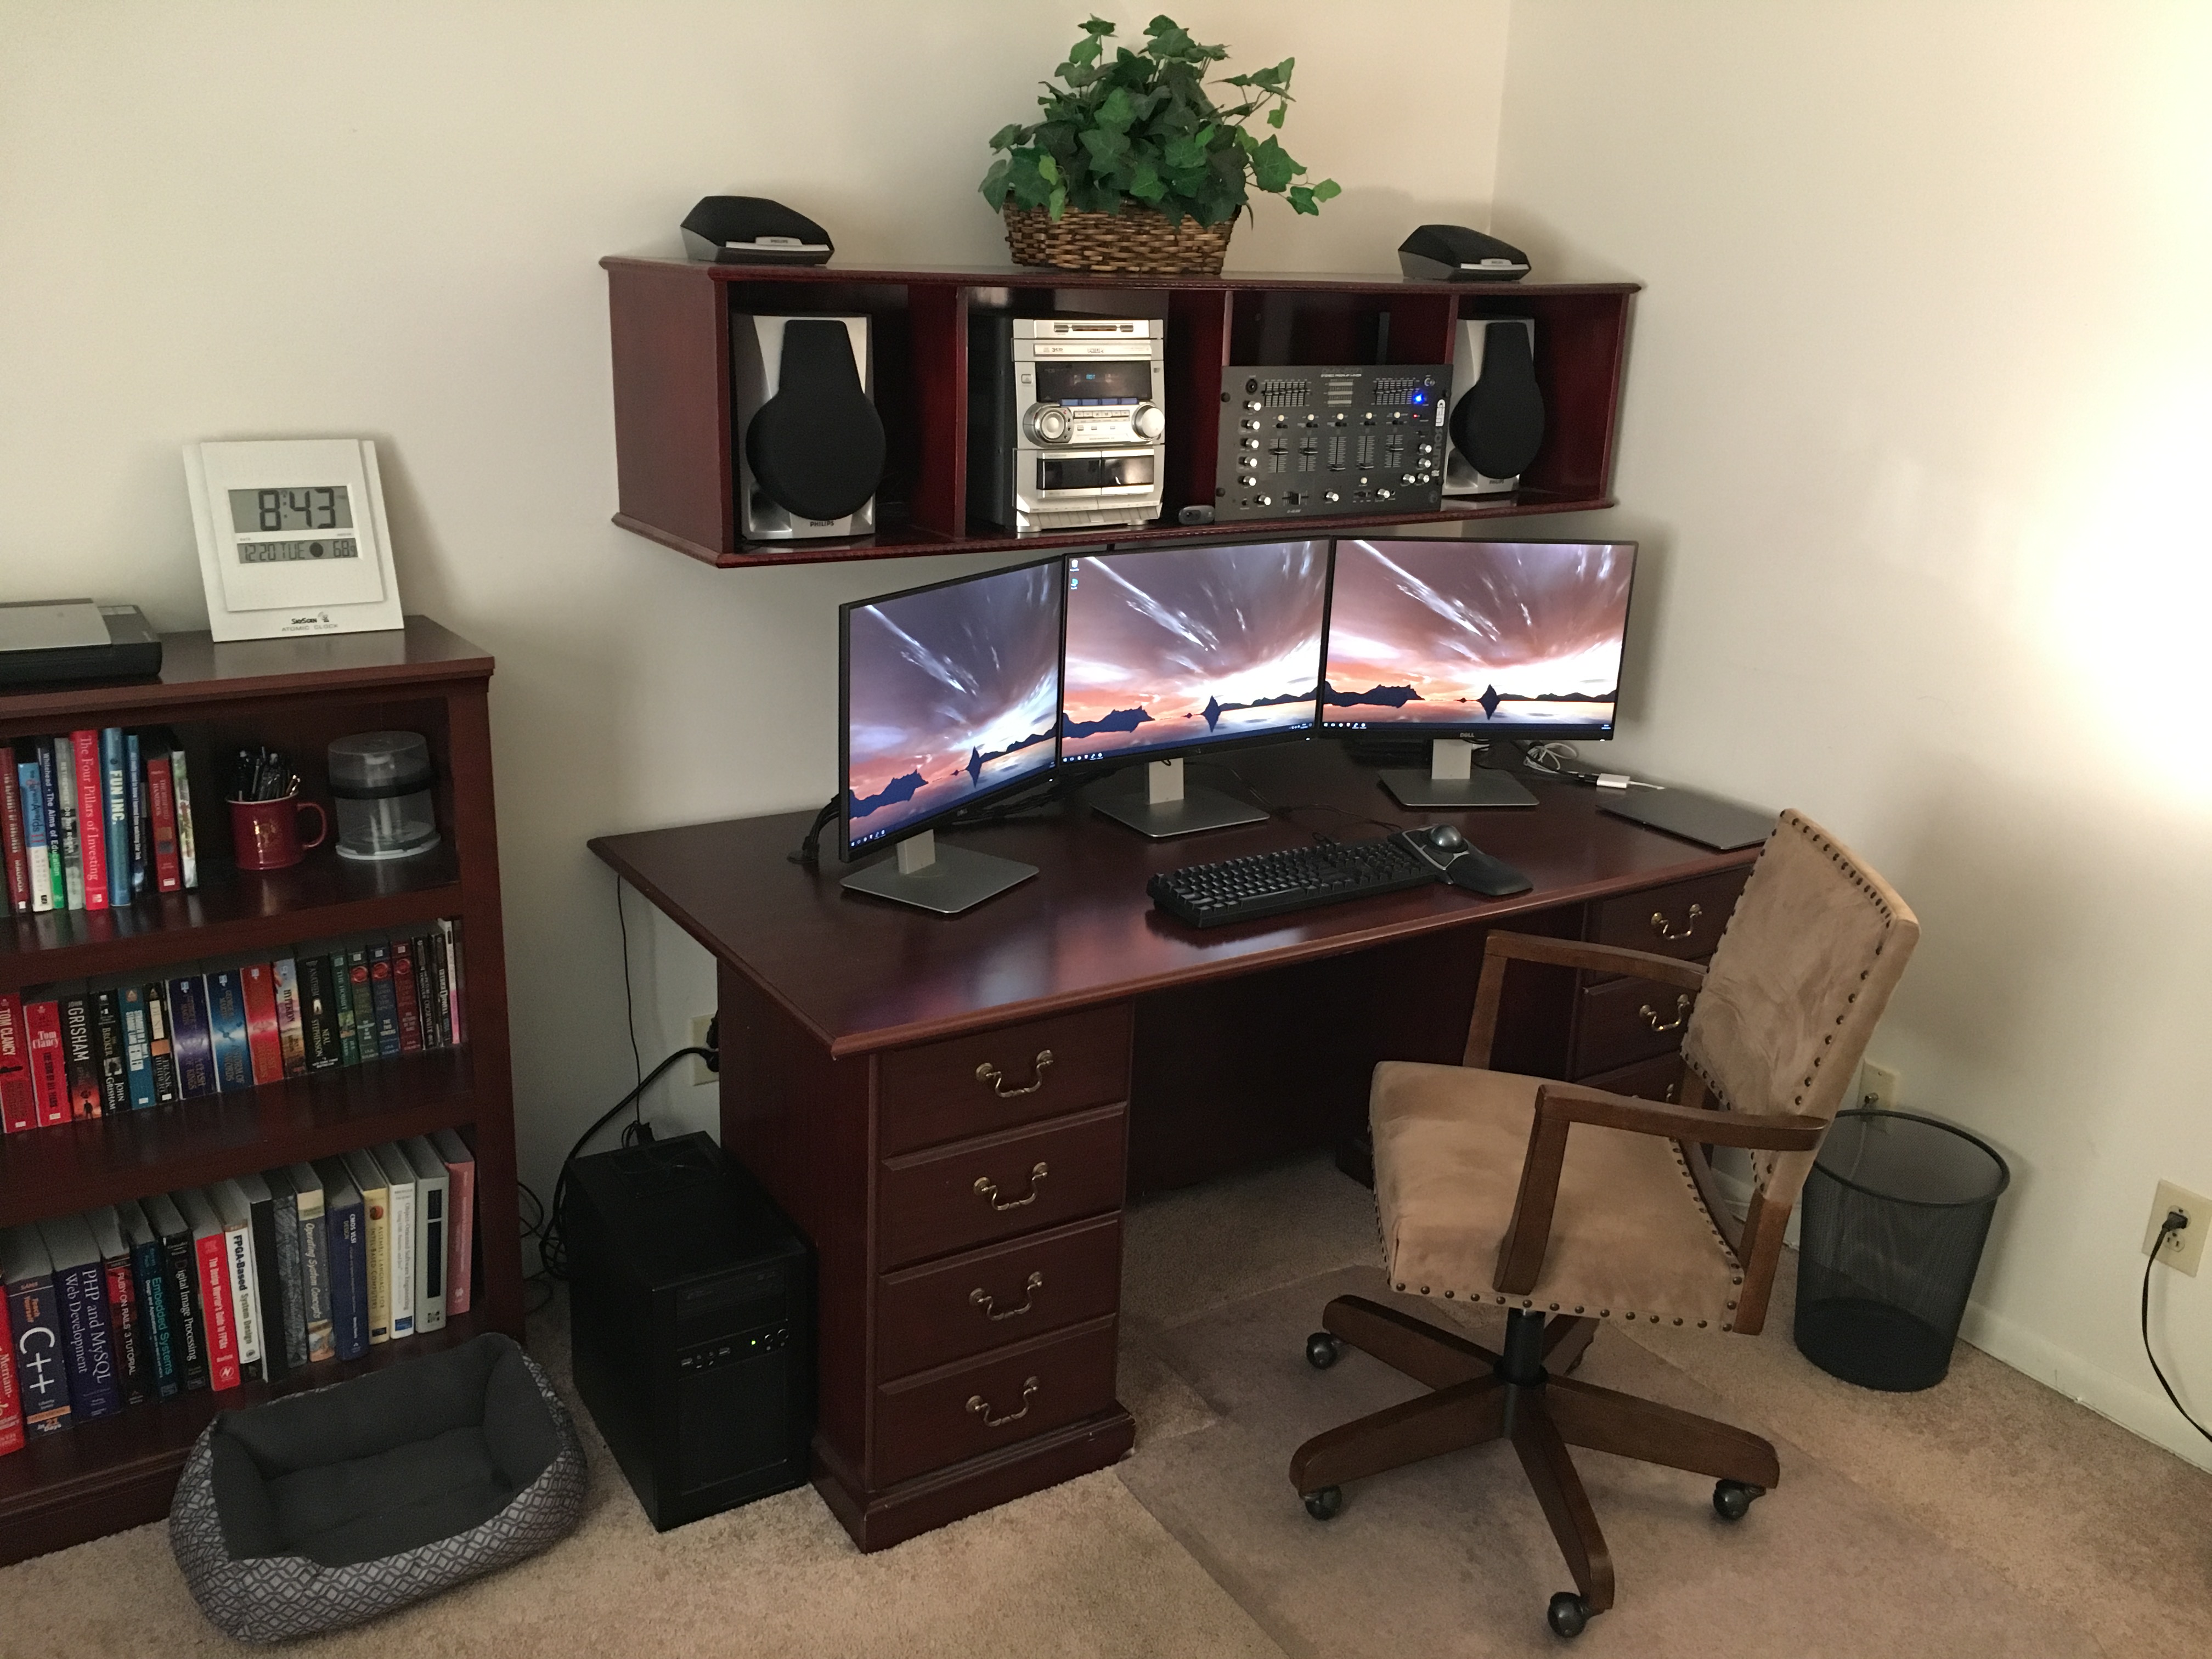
(327, 1509)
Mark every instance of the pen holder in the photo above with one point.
(265, 834)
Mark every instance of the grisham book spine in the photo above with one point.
(81, 1054)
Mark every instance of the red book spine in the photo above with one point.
(11, 831)
(91, 818)
(11, 1403)
(161, 814)
(264, 1038)
(49, 1065)
(460, 1235)
(216, 1321)
(403, 989)
(19, 1096)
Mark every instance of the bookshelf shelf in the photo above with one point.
(77, 1166)
(60, 1487)
(234, 910)
(296, 695)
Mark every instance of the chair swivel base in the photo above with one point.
(1523, 1395)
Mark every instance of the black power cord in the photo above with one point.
(552, 1251)
(2176, 1221)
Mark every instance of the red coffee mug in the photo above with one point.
(265, 834)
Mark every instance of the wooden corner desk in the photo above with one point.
(955, 1111)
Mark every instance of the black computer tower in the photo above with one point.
(691, 1325)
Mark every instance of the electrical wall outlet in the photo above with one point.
(1878, 1086)
(2184, 1250)
(700, 1074)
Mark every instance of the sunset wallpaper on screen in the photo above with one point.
(950, 693)
(1191, 644)
(1464, 632)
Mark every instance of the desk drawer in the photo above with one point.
(942, 1092)
(1618, 1021)
(1648, 1080)
(957, 1412)
(1684, 919)
(1034, 1284)
(953, 1198)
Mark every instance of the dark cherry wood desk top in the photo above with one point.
(863, 973)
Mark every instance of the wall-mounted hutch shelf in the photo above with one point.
(671, 323)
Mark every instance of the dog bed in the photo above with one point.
(324, 1510)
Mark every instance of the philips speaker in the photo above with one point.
(810, 445)
(1497, 420)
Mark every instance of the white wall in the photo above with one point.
(1919, 404)
(231, 220)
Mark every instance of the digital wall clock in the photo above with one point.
(293, 537)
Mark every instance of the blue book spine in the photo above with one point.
(36, 838)
(35, 1321)
(134, 795)
(226, 1017)
(348, 1243)
(149, 1267)
(385, 1000)
(82, 1293)
(190, 1044)
(137, 1051)
(117, 795)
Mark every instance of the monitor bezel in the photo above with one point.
(846, 850)
(1089, 766)
(1384, 731)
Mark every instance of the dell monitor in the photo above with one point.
(1176, 649)
(1450, 638)
(948, 696)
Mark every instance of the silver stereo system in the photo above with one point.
(808, 443)
(1494, 418)
(1065, 428)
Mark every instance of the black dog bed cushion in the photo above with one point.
(323, 1510)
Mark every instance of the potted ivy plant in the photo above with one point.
(1134, 167)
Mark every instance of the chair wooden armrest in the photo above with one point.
(1559, 1105)
(1502, 948)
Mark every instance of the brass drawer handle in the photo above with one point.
(1665, 929)
(991, 1074)
(981, 1407)
(982, 1299)
(1681, 1012)
(988, 1189)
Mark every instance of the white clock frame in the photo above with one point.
(262, 601)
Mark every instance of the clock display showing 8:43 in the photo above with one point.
(270, 512)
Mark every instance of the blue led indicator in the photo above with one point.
(1420, 397)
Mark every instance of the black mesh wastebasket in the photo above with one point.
(1895, 1215)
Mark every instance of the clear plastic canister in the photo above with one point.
(381, 783)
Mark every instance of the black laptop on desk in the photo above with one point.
(1706, 819)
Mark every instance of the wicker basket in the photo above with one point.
(1137, 239)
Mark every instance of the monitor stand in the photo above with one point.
(1167, 809)
(1453, 780)
(946, 879)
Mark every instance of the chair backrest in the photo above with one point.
(1802, 974)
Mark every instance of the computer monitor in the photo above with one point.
(949, 696)
(1436, 637)
(1175, 649)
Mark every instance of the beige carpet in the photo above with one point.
(1988, 1515)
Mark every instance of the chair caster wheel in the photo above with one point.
(1327, 1504)
(1322, 1349)
(1732, 1499)
(1568, 1615)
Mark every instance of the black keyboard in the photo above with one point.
(1297, 878)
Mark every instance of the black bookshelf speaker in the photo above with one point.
(812, 450)
(1497, 420)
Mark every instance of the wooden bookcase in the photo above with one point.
(296, 695)
(670, 329)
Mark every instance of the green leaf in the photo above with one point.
(1097, 25)
(1272, 167)
(1106, 148)
(994, 186)
(1115, 110)
(1048, 169)
(1327, 189)
(1008, 135)
(1145, 184)
(1302, 198)
(1275, 116)
(1057, 204)
(1185, 152)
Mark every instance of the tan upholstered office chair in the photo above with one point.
(1570, 1206)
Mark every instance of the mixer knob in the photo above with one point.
(1249, 426)
(1251, 443)
(1428, 449)
(1265, 501)
(1382, 495)
(1048, 423)
(1330, 495)
(1254, 404)
(1406, 477)
(1148, 421)
(1247, 479)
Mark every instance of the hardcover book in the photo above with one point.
(211, 1261)
(403, 995)
(161, 825)
(19, 1099)
(346, 1225)
(134, 1363)
(180, 1261)
(137, 1052)
(291, 1268)
(399, 1197)
(457, 977)
(115, 799)
(61, 784)
(342, 1003)
(461, 1216)
(189, 1037)
(149, 1271)
(134, 790)
(431, 1183)
(159, 1055)
(80, 1288)
(245, 1279)
(265, 1045)
(384, 1001)
(180, 785)
(364, 1002)
(38, 833)
(268, 1276)
(11, 1401)
(42, 1020)
(227, 1030)
(81, 1054)
(291, 1031)
(430, 977)
(13, 850)
(319, 1015)
(314, 1263)
(376, 1217)
(91, 789)
(114, 1063)
(34, 1323)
